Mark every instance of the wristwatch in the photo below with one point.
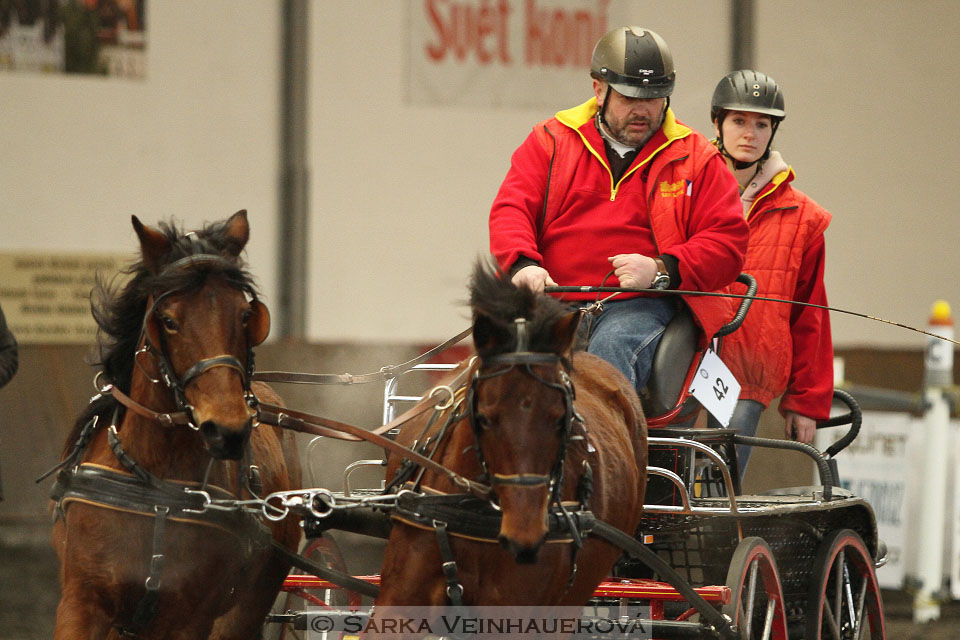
(662, 279)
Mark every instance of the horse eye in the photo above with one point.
(482, 421)
(169, 324)
(245, 318)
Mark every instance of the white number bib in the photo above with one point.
(715, 387)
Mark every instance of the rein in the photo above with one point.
(740, 296)
(386, 373)
(319, 426)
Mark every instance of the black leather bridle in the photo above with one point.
(178, 384)
(527, 360)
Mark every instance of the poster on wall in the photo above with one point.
(502, 53)
(46, 296)
(98, 37)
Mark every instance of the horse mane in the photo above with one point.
(119, 307)
(493, 295)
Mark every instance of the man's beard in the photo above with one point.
(620, 135)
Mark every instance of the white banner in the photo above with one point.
(884, 465)
(494, 53)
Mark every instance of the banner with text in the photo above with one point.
(884, 466)
(502, 53)
(46, 297)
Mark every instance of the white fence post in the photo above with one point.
(938, 376)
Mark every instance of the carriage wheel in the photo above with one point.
(756, 604)
(844, 591)
(325, 551)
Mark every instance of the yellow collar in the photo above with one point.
(580, 115)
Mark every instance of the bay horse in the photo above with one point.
(517, 427)
(148, 542)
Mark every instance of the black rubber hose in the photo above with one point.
(854, 418)
(826, 477)
(733, 325)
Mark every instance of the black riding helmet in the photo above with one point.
(747, 90)
(634, 61)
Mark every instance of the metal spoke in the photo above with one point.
(838, 588)
(768, 621)
(752, 589)
(859, 626)
(848, 590)
(828, 615)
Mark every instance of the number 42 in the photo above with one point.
(720, 388)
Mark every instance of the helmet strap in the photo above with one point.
(603, 108)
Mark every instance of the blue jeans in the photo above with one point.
(627, 332)
(745, 418)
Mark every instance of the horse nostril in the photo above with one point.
(224, 444)
(210, 431)
(522, 555)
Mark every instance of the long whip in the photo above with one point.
(739, 296)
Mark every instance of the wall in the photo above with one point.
(400, 193)
(871, 90)
(196, 140)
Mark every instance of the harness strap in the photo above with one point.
(332, 575)
(209, 363)
(177, 418)
(112, 489)
(315, 425)
(449, 566)
(520, 479)
(470, 518)
(131, 465)
(386, 373)
(76, 451)
(147, 607)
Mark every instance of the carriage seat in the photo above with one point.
(671, 363)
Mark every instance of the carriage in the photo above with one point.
(209, 502)
(705, 561)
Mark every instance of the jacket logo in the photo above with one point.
(672, 190)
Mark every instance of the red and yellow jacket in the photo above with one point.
(782, 348)
(676, 198)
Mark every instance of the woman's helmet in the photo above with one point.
(747, 90)
(634, 61)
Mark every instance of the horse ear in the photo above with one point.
(237, 233)
(565, 332)
(258, 326)
(154, 245)
(487, 333)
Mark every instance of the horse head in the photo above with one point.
(201, 323)
(522, 403)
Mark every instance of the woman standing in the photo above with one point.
(781, 349)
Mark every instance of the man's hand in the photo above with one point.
(799, 428)
(634, 270)
(534, 277)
